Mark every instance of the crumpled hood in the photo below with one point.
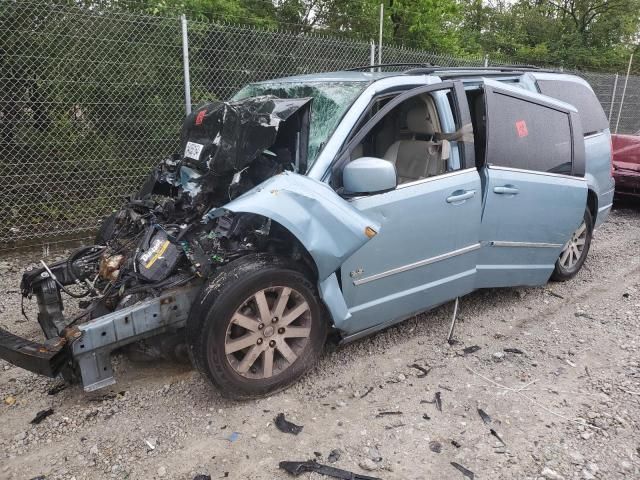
(225, 137)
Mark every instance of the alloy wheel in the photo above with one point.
(268, 332)
(574, 248)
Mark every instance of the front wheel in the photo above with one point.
(257, 326)
(575, 251)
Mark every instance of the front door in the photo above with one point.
(536, 194)
(426, 250)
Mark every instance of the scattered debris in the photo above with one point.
(455, 444)
(554, 294)
(470, 350)
(10, 400)
(369, 390)
(463, 470)
(498, 356)
(483, 415)
(334, 455)
(435, 447)
(41, 415)
(625, 295)
(317, 454)
(57, 388)
(426, 417)
(234, 436)
(151, 444)
(204, 477)
(298, 468)
(514, 350)
(368, 464)
(495, 434)
(438, 401)
(394, 425)
(383, 414)
(286, 426)
(424, 371)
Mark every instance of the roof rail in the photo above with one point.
(382, 65)
(499, 68)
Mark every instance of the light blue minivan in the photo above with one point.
(399, 191)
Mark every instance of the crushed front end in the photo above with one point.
(151, 257)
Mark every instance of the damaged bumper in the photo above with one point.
(43, 358)
(89, 346)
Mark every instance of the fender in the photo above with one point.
(325, 224)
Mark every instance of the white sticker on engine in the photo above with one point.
(193, 150)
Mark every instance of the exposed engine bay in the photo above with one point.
(162, 238)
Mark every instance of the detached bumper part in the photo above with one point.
(43, 358)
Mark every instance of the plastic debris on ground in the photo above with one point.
(483, 415)
(286, 426)
(298, 468)
(470, 350)
(41, 415)
(465, 471)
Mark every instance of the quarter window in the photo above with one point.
(529, 136)
(591, 113)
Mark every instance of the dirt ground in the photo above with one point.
(565, 404)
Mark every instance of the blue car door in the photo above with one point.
(536, 193)
(426, 250)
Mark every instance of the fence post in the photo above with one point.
(380, 36)
(624, 91)
(486, 60)
(185, 63)
(613, 97)
(372, 58)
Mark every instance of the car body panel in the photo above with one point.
(416, 261)
(326, 225)
(521, 238)
(521, 241)
(626, 164)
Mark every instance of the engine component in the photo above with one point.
(159, 259)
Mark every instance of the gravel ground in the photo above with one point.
(565, 404)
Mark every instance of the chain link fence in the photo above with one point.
(91, 99)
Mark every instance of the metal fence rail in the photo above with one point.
(91, 99)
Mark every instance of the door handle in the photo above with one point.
(460, 196)
(506, 190)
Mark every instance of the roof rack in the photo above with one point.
(499, 68)
(382, 65)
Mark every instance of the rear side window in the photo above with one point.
(529, 136)
(591, 113)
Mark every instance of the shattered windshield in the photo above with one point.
(330, 102)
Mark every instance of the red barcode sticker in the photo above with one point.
(200, 117)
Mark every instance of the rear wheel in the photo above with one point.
(258, 326)
(575, 251)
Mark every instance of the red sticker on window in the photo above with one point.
(200, 117)
(521, 127)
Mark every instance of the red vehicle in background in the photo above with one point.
(626, 164)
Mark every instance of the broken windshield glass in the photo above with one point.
(331, 100)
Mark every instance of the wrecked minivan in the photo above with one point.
(341, 202)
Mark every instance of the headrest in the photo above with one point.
(419, 120)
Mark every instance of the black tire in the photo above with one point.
(562, 273)
(210, 323)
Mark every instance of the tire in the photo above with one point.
(572, 258)
(230, 338)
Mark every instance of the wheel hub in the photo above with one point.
(268, 331)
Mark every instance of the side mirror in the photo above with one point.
(369, 175)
